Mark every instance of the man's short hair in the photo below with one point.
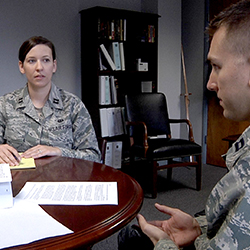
(236, 20)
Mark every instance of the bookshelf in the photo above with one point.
(137, 33)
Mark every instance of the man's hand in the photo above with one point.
(9, 155)
(154, 233)
(40, 151)
(181, 228)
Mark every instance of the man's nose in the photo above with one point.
(212, 84)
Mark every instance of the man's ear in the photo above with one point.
(20, 64)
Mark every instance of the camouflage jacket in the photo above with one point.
(66, 124)
(228, 206)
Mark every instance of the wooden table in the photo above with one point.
(89, 223)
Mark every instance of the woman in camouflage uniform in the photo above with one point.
(42, 119)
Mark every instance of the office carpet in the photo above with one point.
(179, 193)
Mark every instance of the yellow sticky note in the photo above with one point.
(25, 164)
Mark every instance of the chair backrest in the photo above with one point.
(150, 108)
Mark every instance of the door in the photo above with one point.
(219, 127)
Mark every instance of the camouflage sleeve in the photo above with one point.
(2, 120)
(202, 221)
(234, 230)
(85, 141)
(165, 244)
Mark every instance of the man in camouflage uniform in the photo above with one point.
(226, 224)
(64, 123)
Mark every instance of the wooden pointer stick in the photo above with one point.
(185, 82)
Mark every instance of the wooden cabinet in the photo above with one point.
(138, 32)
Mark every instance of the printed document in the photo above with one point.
(70, 193)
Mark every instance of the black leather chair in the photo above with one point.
(148, 121)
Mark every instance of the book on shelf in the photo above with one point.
(113, 154)
(111, 120)
(108, 57)
(124, 29)
(121, 29)
(112, 30)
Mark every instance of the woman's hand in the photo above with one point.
(40, 151)
(181, 228)
(9, 155)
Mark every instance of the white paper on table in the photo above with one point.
(70, 193)
(6, 196)
(26, 222)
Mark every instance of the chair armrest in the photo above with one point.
(190, 127)
(144, 133)
(102, 143)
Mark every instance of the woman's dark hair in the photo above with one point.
(31, 43)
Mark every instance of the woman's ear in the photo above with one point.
(20, 64)
(54, 66)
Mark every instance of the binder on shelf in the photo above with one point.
(115, 52)
(101, 90)
(108, 57)
(113, 90)
(117, 154)
(111, 121)
(107, 91)
(108, 154)
(113, 155)
(104, 122)
(122, 56)
(104, 90)
(124, 120)
(118, 128)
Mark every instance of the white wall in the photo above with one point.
(193, 27)
(169, 56)
(59, 21)
(53, 19)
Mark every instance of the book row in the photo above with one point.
(114, 29)
(148, 34)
